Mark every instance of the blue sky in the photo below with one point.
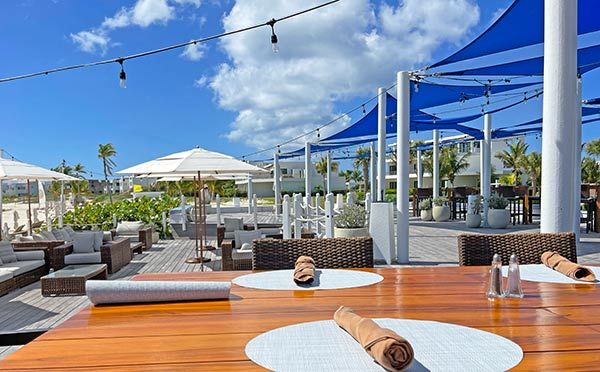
(232, 95)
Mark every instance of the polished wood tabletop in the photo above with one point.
(556, 325)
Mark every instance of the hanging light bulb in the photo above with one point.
(122, 76)
(364, 110)
(416, 86)
(525, 98)
(274, 39)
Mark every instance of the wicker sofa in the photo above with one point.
(115, 254)
(18, 269)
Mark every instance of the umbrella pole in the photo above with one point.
(29, 207)
(204, 229)
(197, 259)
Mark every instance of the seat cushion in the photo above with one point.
(129, 227)
(242, 237)
(7, 254)
(5, 275)
(229, 235)
(38, 237)
(238, 254)
(98, 237)
(26, 238)
(83, 242)
(233, 224)
(83, 258)
(21, 267)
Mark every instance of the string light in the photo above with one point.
(364, 111)
(122, 75)
(416, 84)
(273, 36)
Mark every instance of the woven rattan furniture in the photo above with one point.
(71, 279)
(328, 253)
(115, 254)
(478, 249)
(44, 245)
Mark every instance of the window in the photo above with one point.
(464, 147)
(284, 171)
(393, 185)
(475, 146)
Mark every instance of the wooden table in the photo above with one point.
(557, 325)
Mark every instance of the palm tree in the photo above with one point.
(451, 163)
(593, 147)
(513, 157)
(77, 171)
(106, 153)
(363, 158)
(321, 167)
(532, 163)
(590, 171)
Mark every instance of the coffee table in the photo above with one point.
(71, 279)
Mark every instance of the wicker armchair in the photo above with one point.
(478, 249)
(115, 254)
(328, 253)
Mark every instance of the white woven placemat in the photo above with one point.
(324, 346)
(542, 273)
(283, 280)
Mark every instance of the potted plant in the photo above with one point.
(498, 217)
(473, 218)
(351, 222)
(441, 210)
(425, 208)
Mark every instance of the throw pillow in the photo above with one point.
(83, 242)
(61, 234)
(7, 254)
(48, 235)
(69, 231)
(233, 224)
(129, 227)
(242, 237)
(98, 237)
(38, 237)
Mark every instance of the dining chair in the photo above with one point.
(478, 249)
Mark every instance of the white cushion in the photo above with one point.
(5, 275)
(69, 231)
(106, 236)
(129, 227)
(7, 254)
(271, 231)
(233, 224)
(83, 258)
(83, 242)
(20, 267)
(229, 235)
(246, 247)
(242, 237)
(238, 254)
(48, 235)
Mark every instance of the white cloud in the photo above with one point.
(339, 52)
(91, 41)
(194, 52)
(201, 81)
(121, 19)
(147, 12)
(196, 3)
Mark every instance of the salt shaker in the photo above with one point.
(495, 285)
(514, 278)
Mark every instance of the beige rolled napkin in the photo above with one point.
(304, 271)
(388, 348)
(574, 271)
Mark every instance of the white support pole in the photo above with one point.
(577, 169)
(277, 184)
(368, 201)
(286, 217)
(349, 199)
(373, 170)
(436, 163)
(419, 168)
(402, 165)
(114, 221)
(164, 221)
(183, 213)
(249, 194)
(218, 206)
(329, 216)
(486, 164)
(307, 184)
(255, 211)
(559, 106)
(297, 216)
(317, 213)
(328, 172)
(381, 133)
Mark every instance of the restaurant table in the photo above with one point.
(556, 325)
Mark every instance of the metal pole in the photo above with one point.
(308, 187)
(560, 103)
(329, 216)
(373, 170)
(286, 217)
(249, 194)
(577, 169)
(402, 165)
(419, 168)
(328, 172)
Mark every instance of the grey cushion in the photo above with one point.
(21, 267)
(106, 236)
(98, 237)
(5, 275)
(125, 291)
(239, 254)
(1, 262)
(229, 235)
(48, 235)
(83, 242)
(38, 237)
(29, 255)
(83, 258)
(242, 237)
(232, 224)
(61, 234)
(129, 227)
(7, 254)
(69, 231)
(26, 238)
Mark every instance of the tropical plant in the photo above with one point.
(425, 204)
(513, 157)
(477, 205)
(351, 217)
(321, 167)
(532, 163)
(440, 201)
(106, 152)
(497, 201)
(451, 163)
(363, 158)
(593, 147)
(590, 171)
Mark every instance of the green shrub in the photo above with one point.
(477, 205)
(425, 204)
(351, 217)
(440, 201)
(497, 201)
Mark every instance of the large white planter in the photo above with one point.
(498, 218)
(473, 220)
(426, 215)
(350, 233)
(441, 213)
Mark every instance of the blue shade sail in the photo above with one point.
(522, 24)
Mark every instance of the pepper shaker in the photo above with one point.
(495, 284)
(514, 278)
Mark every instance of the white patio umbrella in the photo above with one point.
(198, 163)
(15, 170)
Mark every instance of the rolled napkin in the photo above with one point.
(388, 348)
(304, 271)
(124, 291)
(561, 264)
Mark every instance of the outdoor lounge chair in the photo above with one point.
(478, 249)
